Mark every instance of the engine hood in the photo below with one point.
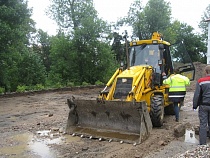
(134, 71)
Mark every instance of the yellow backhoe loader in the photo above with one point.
(134, 100)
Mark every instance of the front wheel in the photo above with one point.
(157, 110)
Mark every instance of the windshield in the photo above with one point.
(144, 55)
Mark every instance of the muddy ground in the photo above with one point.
(33, 125)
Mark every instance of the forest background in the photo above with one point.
(86, 49)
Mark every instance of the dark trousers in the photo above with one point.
(176, 110)
(176, 101)
(203, 113)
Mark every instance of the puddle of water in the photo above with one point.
(69, 139)
(54, 138)
(28, 145)
(17, 146)
(41, 149)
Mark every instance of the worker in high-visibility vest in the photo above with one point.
(177, 90)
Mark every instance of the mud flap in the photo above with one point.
(109, 120)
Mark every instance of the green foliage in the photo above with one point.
(63, 60)
(52, 80)
(117, 47)
(155, 16)
(42, 47)
(85, 84)
(2, 90)
(31, 69)
(204, 35)
(181, 32)
(99, 83)
(38, 87)
(22, 88)
(80, 54)
(15, 24)
(15, 28)
(57, 85)
(204, 25)
(70, 84)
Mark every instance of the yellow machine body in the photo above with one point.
(134, 99)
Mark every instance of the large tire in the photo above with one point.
(157, 110)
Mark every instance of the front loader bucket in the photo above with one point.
(109, 120)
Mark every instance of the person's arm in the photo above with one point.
(167, 80)
(187, 81)
(196, 97)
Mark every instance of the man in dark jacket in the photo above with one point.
(202, 99)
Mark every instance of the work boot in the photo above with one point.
(208, 134)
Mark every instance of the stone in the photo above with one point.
(179, 130)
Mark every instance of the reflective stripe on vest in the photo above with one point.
(175, 96)
(177, 88)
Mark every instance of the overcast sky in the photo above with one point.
(188, 11)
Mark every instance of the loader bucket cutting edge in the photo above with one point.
(117, 120)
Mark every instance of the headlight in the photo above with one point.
(134, 43)
(155, 42)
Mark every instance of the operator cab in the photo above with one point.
(162, 56)
(145, 54)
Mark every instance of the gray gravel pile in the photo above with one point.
(202, 151)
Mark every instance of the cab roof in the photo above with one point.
(156, 39)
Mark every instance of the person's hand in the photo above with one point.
(164, 75)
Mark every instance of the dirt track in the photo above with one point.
(33, 126)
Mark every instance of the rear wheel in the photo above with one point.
(157, 110)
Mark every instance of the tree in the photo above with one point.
(31, 70)
(87, 53)
(158, 15)
(204, 27)
(16, 25)
(182, 33)
(42, 47)
(117, 47)
(63, 59)
(155, 16)
(15, 28)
